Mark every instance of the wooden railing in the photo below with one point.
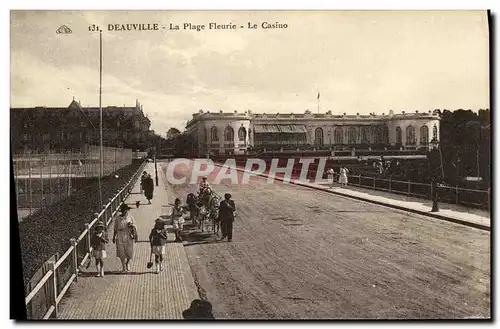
(57, 287)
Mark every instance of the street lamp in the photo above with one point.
(432, 160)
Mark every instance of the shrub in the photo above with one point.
(49, 230)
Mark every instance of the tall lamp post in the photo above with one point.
(101, 160)
(433, 159)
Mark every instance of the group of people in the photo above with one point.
(125, 230)
(227, 211)
(124, 237)
(342, 176)
(147, 186)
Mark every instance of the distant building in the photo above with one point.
(235, 133)
(41, 128)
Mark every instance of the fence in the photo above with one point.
(61, 273)
(44, 178)
(450, 194)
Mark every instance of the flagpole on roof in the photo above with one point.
(318, 102)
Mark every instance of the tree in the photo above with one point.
(172, 133)
(183, 145)
(464, 134)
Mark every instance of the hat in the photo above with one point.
(159, 223)
(199, 309)
(100, 224)
(124, 207)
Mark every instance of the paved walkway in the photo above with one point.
(456, 213)
(141, 293)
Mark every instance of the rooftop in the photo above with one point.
(206, 114)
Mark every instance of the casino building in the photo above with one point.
(219, 133)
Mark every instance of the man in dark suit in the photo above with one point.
(226, 217)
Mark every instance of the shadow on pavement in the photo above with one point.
(195, 237)
(93, 274)
(199, 310)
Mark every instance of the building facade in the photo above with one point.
(237, 133)
(43, 128)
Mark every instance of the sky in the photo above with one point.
(359, 62)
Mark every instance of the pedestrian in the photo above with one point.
(149, 187)
(343, 176)
(226, 217)
(204, 184)
(98, 242)
(143, 177)
(331, 176)
(158, 240)
(177, 219)
(124, 236)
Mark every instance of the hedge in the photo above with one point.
(49, 230)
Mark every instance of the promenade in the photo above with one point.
(140, 293)
(398, 244)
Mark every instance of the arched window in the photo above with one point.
(242, 134)
(229, 134)
(435, 132)
(364, 135)
(385, 137)
(399, 136)
(410, 135)
(377, 135)
(318, 137)
(214, 134)
(339, 138)
(424, 135)
(351, 135)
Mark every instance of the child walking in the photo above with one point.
(158, 240)
(98, 242)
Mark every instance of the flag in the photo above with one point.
(318, 95)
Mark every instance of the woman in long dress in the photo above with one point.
(148, 186)
(331, 176)
(125, 234)
(343, 176)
